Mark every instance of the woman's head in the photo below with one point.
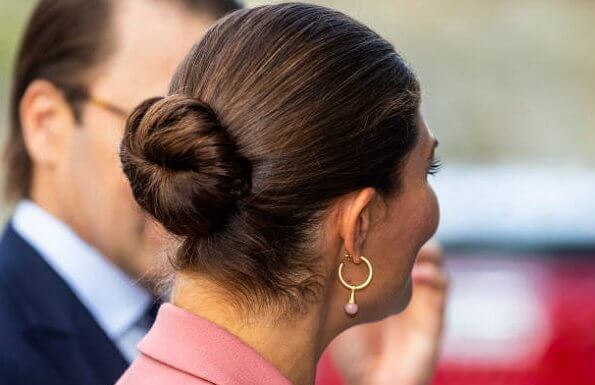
(292, 135)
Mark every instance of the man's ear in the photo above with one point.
(46, 120)
(355, 222)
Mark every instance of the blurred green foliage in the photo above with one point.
(504, 81)
(12, 19)
(13, 15)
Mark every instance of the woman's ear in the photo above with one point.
(355, 222)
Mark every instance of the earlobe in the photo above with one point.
(356, 222)
(45, 118)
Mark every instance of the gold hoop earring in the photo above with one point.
(351, 307)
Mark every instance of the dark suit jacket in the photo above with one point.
(47, 336)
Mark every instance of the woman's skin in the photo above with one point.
(389, 231)
(401, 349)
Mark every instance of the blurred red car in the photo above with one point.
(520, 320)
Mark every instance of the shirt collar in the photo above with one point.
(113, 299)
(191, 344)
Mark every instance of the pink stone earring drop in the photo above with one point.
(351, 307)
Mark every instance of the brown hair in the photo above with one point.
(274, 114)
(65, 42)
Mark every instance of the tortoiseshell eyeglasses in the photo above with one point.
(78, 95)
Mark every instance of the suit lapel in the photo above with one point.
(55, 322)
(61, 352)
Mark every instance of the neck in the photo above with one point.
(293, 346)
(45, 196)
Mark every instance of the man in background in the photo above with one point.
(70, 311)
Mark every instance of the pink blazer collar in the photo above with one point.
(192, 344)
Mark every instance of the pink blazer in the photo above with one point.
(184, 349)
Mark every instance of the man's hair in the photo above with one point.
(65, 42)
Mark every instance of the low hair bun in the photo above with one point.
(184, 168)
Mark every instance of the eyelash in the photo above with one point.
(435, 166)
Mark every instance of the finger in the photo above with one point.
(431, 275)
(431, 252)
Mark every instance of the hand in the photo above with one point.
(402, 349)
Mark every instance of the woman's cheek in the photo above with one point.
(434, 212)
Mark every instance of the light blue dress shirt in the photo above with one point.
(117, 303)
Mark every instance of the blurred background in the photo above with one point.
(510, 93)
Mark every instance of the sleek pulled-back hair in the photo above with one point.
(66, 42)
(277, 112)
